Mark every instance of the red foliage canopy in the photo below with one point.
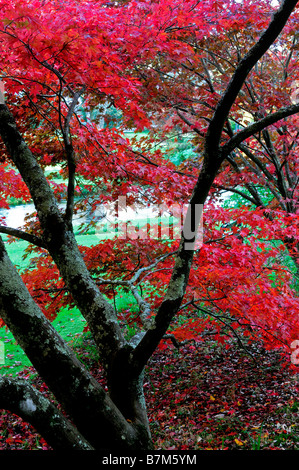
(162, 67)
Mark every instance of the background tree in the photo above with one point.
(264, 165)
(40, 126)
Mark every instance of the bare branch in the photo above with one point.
(256, 127)
(145, 307)
(28, 237)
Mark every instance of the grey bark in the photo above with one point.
(89, 406)
(22, 399)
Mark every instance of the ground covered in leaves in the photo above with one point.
(200, 398)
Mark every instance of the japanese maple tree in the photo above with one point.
(65, 66)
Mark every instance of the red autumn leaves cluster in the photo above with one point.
(163, 66)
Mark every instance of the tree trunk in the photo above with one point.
(92, 411)
(20, 398)
(125, 386)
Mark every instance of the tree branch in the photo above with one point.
(222, 318)
(19, 397)
(62, 245)
(70, 154)
(245, 65)
(256, 127)
(28, 237)
(212, 161)
(237, 191)
(133, 283)
(85, 400)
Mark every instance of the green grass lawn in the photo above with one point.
(69, 322)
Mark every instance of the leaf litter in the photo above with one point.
(205, 397)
